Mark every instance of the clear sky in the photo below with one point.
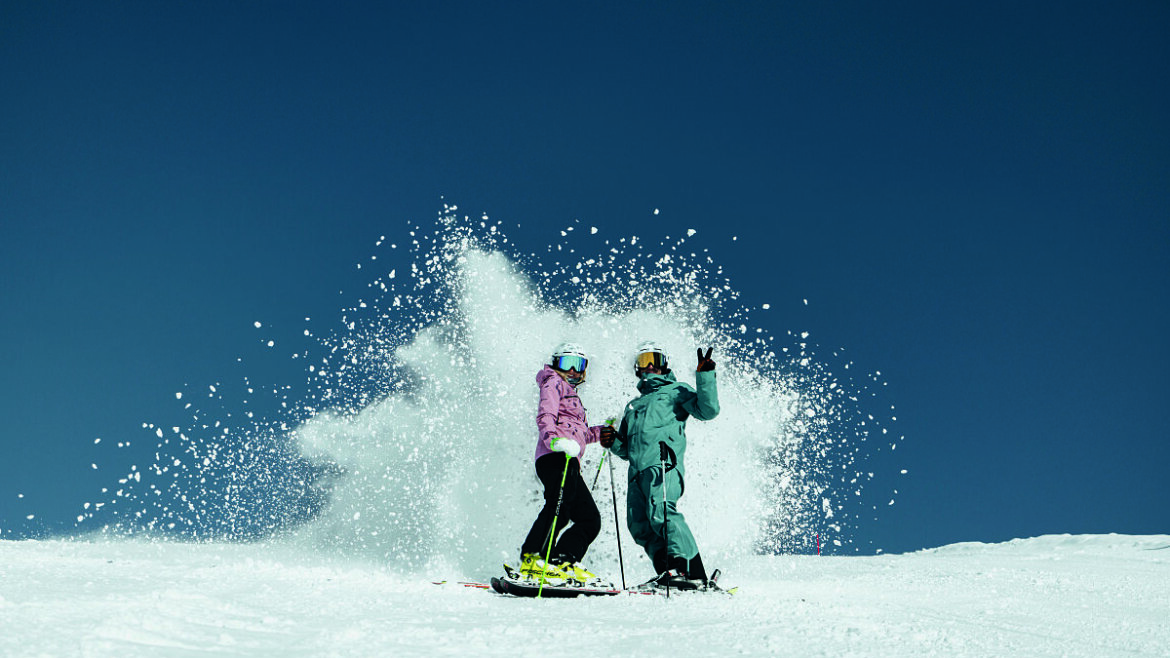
(974, 199)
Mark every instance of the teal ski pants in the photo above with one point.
(654, 526)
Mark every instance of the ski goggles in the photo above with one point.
(647, 359)
(567, 363)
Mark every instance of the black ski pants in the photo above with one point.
(578, 512)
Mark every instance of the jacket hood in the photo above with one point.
(544, 373)
(649, 383)
(547, 371)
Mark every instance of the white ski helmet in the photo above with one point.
(569, 349)
(654, 354)
(570, 356)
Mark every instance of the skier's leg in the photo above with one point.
(580, 509)
(680, 544)
(549, 469)
(695, 569)
(638, 517)
(660, 562)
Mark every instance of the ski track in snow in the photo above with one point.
(1090, 595)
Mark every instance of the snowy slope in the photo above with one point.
(1104, 595)
(418, 430)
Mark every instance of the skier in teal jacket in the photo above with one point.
(652, 437)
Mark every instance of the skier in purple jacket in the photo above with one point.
(562, 435)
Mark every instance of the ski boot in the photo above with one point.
(684, 584)
(534, 568)
(673, 579)
(576, 574)
(659, 581)
(678, 573)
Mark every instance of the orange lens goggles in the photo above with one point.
(647, 359)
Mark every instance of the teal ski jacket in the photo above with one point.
(660, 414)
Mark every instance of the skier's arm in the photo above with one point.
(703, 403)
(620, 447)
(594, 434)
(547, 411)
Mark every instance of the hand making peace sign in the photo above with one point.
(705, 362)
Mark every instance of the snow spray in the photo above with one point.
(412, 444)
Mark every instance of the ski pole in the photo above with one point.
(665, 518)
(552, 533)
(617, 531)
(598, 474)
(610, 422)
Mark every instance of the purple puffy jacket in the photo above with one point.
(560, 413)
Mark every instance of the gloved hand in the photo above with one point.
(567, 446)
(608, 434)
(705, 362)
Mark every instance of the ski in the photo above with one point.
(506, 585)
(658, 585)
(595, 583)
(529, 589)
(513, 584)
(464, 583)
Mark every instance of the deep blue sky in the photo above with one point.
(973, 198)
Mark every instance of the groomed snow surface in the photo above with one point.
(1080, 595)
